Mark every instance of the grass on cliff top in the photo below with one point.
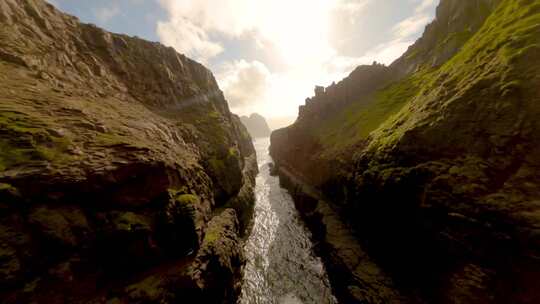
(510, 32)
(356, 122)
(457, 38)
(496, 58)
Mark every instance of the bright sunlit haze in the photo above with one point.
(269, 54)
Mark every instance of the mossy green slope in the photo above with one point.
(353, 124)
(496, 69)
(501, 53)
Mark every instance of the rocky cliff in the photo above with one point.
(432, 161)
(256, 125)
(124, 178)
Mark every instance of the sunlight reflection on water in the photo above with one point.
(281, 267)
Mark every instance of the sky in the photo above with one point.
(268, 55)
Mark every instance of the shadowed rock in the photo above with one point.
(114, 154)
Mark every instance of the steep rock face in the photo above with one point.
(115, 154)
(316, 129)
(437, 169)
(457, 21)
(256, 125)
(362, 81)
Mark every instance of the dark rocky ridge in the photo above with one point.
(123, 174)
(256, 125)
(433, 161)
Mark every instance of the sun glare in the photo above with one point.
(285, 42)
(299, 32)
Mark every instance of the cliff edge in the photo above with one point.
(123, 174)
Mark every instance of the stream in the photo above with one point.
(281, 267)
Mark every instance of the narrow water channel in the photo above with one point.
(281, 266)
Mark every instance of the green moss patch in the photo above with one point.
(494, 62)
(129, 221)
(233, 152)
(512, 30)
(357, 121)
(25, 139)
(188, 199)
(176, 226)
(216, 165)
(212, 235)
(209, 122)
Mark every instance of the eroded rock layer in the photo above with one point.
(433, 161)
(123, 174)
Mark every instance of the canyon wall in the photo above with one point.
(124, 177)
(433, 162)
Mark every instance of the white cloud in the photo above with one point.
(104, 14)
(244, 83)
(188, 38)
(388, 52)
(190, 24)
(350, 9)
(411, 26)
(290, 26)
(296, 33)
(425, 5)
(384, 53)
(353, 6)
(414, 24)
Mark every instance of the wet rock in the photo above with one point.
(10, 198)
(243, 203)
(273, 169)
(220, 258)
(227, 181)
(63, 226)
(354, 275)
(150, 290)
(15, 251)
(10, 265)
(182, 224)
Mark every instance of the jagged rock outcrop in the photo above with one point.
(327, 101)
(256, 125)
(436, 166)
(116, 157)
